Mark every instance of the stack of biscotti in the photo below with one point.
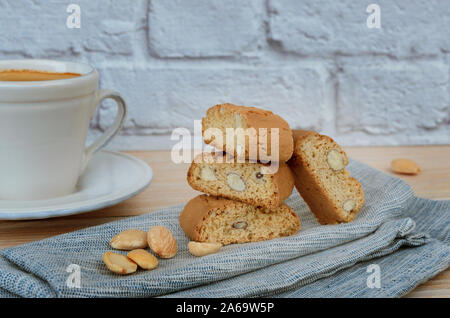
(245, 201)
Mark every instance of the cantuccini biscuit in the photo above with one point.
(213, 219)
(223, 116)
(318, 164)
(246, 182)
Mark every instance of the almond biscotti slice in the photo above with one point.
(318, 164)
(258, 122)
(213, 219)
(248, 182)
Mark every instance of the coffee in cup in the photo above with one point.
(33, 75)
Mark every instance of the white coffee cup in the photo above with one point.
(43, 128)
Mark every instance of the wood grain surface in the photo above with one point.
(169, 187)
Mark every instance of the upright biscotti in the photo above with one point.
(213, 219)
(246, 182)
(318, 164)
(225, 116)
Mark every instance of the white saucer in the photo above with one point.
(109, 178)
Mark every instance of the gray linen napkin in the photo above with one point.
(405, 236)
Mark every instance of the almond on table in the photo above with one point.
(129, 240)
(144, 259)
(202, 249)
(405, 166)
(118, 263)
(162, 242)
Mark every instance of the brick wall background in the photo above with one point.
(314, 62)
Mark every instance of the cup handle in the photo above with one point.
(108, 135)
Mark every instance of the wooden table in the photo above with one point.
(169, 187)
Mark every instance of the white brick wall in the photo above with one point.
(203, 28)
(410, 28)
(314, 62)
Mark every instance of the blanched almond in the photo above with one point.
(129, 240)
(143, 258)
(405, 166)
(119, 264)
(162, 242)
(202, 249)
(207, 174)
(235, 182)
(349, 205)
(336, 160)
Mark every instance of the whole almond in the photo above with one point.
(143, 258)
(405, 166)
(207, 174)
(119, 264)
(129, 240)
(336, 160)
(235, 182)
(202, 249)
(162, 242)
(349, 205)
